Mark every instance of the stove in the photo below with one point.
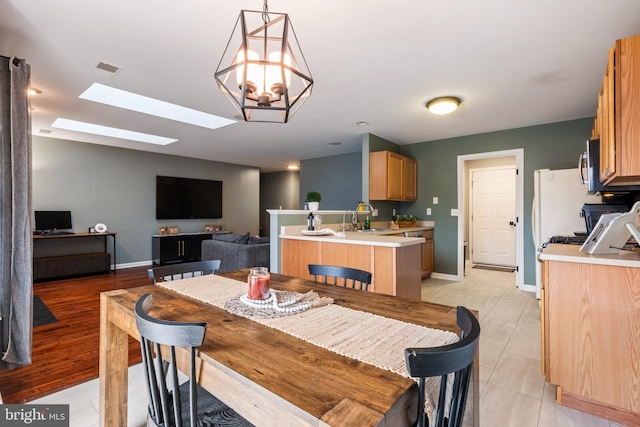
(567, 240)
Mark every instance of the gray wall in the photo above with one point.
(552, 146)
(278, 190)
(116, 186)
(337, 178)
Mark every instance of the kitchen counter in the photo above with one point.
(590, 305)
(378, 238)
(395, 261)
(571, 253)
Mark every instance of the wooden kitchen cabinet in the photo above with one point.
(427, 254)
(392, 176)
(590, 342)
(410, 179)
(605, 121)
(616, 123)
(395, 270)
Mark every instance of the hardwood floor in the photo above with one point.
(66, 353)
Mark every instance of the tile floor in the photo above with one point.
(513, 392)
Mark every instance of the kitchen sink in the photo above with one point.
(373, 230)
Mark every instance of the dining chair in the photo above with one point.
(351, 277)
(172, 404)
(440, 361)
(182, 270)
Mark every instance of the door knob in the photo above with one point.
(513, 224)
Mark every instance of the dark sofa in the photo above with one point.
(237, 251)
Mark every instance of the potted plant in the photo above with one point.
(406, 221)
(313, 199)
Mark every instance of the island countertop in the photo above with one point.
(359, 238)
(571, 253)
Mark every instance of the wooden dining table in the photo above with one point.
(268, 376)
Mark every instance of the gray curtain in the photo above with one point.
(16, 241)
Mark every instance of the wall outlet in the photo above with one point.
(435, 200)
(375, 212)
(454, 212)
(428, 211)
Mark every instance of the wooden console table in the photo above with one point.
(77, 263)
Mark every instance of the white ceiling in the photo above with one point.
(514, 63)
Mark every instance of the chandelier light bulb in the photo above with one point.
(253, 70)
(274, 72)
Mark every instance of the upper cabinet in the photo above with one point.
(392, 176)
(616, 123)
(410, 179)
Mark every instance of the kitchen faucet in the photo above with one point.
(355, 215)
(353, 220)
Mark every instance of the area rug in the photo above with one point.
(41, 314)
(494, 268)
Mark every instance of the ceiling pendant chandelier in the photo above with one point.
(263, 72)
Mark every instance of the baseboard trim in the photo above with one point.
(599, 409)
(135, 264)
(443, 276)
(528, 288)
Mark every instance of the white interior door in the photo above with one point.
(493, 216)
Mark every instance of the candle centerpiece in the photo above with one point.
(258, 281)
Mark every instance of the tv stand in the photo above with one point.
(177, 248)
(74, 264)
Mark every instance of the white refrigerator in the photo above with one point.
(558, 197)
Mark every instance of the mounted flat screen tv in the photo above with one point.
(52, 220)
(187, 198)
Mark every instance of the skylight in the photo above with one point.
(109, 131)
(142, 104)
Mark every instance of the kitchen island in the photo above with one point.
(590, 323)
(394, 261)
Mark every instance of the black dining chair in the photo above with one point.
(440, 361)
(351, 277)
(171, 404)
(183, 270)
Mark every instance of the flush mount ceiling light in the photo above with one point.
(443, 105)
(263, 72)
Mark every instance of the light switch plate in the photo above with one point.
(435, 200)
(454, 212)
(428, 211)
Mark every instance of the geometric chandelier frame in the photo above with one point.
(263, 72)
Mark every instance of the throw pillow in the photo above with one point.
(232, 238)
(244, 239)
(258, 240)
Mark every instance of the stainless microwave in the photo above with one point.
(589, 165)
